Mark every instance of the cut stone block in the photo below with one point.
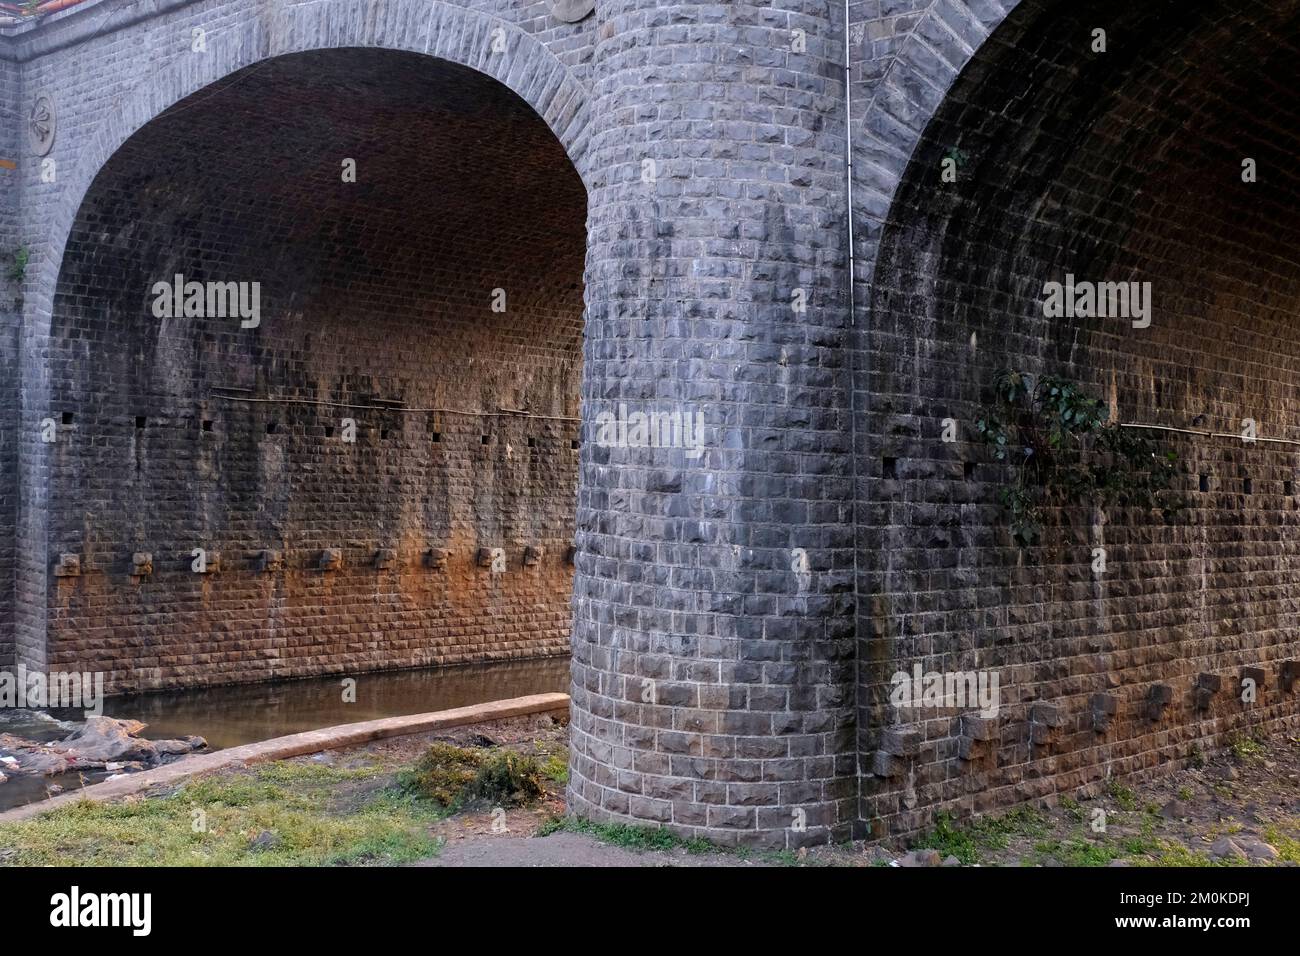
(1104, 706)
(1288, 674)
(899, 742)
(1159, 696)
(494, 559)
(1257, 674)
(886, 765)
(1049, 715)
(1207, 685)
(268, 560)
(976, 727)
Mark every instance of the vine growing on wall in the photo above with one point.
(1062, 451)
(18, 268)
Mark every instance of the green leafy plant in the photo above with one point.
(1062, 451)
(443, 772)
(556, 769)
(458, 777)
(18, 270)
(505, 779)
(1247, 750)
(958, 156)
(1122, 795)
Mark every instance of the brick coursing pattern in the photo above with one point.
(114, 91)
(711, 678)
(10, 326)
(187, 433)
(736, 617)
(1122, 166)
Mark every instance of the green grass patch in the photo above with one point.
(1075, 809)
(556, 769)
(952, 840)
(214, 821)
(1122, 795)
(627, 836)
(1169, 853)
(1076, 852)
(1248, 750)
(968, 843)
(1286, 843)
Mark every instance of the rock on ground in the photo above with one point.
(104, 743)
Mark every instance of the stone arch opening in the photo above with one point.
(1117, 166)
(383, 459)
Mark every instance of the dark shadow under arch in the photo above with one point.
(1117, 166)
(377, 320)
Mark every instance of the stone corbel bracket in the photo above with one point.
(268, 560)
(1103, 708)
(1287, 676)
(1257, 674)
(494, 559)
(1159, 696)
(1203, 691)
(1045, 722)
(897, 746)
(977, 736)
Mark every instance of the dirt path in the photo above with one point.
(568, 849)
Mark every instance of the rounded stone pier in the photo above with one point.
(713, 638)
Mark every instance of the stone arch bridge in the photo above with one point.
(471, 248)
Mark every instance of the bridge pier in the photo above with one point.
(713, 625)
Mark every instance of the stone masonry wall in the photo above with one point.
(377, 307)
(737, 616)
(11, 241)
(1116, 166)
(112, 67)
(713, 611)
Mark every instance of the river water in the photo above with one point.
(244, 713)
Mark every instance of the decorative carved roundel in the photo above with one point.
(41, 124)
(571, 11)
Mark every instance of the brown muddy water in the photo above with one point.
(245, 713)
